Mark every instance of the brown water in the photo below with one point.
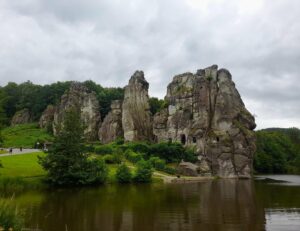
(213, 205)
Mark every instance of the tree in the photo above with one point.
(66, 162)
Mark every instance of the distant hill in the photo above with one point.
(278, 151)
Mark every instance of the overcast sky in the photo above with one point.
(258, 41)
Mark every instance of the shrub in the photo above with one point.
(139, 147)
(170, 170)
(133, 156)
(123, 174)
(112, 158)
(157, 163)
(10, 216)
(104, 149)
(143, 172)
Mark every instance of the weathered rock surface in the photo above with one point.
(47, 117)
(206, 111)
(21, 117)
(188, 169)
(136, 116)
(86, 102)
(111, 127)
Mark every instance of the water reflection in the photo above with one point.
(214, 205)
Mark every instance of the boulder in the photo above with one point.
(21, 117)
(187, 169)
(47, 117)
(136, 116)
(111, 127)
(205, 111)
(86, 102)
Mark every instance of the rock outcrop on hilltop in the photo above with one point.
(21, 117)
(136, 116)
(111, 127)
(206, 111)
(86, 102)
(47, 117)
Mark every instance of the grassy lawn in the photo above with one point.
(21, 166)
(24, 135)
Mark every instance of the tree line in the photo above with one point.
(278, 151)
(36, 98)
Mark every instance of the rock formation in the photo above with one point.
(47, 117)
(206, 111)
(21, 117)
(111, 127)
(136, 116)
(80, 97)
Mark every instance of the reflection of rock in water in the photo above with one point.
(214, 205)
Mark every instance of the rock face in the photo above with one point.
(206, 111)
(188, 169)
(111, 127)
(21, 117)
(47, 117)
(136, 116)
(81, 98)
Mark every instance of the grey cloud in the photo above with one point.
(106, 41)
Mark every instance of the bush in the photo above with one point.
(139, 147)
(157, 163)
(112, 158)
(170, 170)
(10, 216)
(133, 156)
(143, 172)
(123, 174)
(104, 149)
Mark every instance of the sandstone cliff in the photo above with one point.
(136, 116)
(79, 97)
(206, 111)
(111, 127)
(21, 117)
(47, 117)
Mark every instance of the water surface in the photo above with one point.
(213, 205)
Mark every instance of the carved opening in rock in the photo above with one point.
(218, 139)
(183, 139)
(194, 139)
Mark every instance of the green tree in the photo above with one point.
(123, 174)
(156, 105)
(66, 162)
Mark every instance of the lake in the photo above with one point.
(267, 203)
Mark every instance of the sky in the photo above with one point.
(258, 41)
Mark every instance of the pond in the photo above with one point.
(267, 203)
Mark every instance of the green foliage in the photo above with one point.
(10, 215)
(104, 149)
(157, 163)
(24, 135)
(66, 162)
(277, 151)
(143, 172)
(173, 152)
(114, 158)
(133, 156)
(156, 105)
(123, 174)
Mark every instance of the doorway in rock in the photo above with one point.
(183, 139)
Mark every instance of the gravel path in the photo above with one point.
(16, 151)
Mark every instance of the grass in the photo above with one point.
(25, 135)
(3, 152)
(24, 166)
